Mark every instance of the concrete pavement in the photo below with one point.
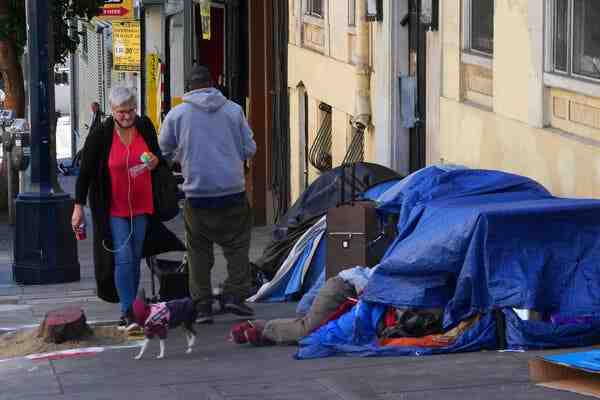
(222, 370)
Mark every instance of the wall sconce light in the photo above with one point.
(374, 10)
(430, 11)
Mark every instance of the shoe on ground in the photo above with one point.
(126, 323)
(237, 307)
(238, 333)
(254, 333)
(123, 322)
(205, 313)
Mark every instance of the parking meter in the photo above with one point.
(6, 120)
(6, 117)
(21, 140)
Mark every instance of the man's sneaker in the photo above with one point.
(238, 333)
(254, 334)
(126, 323)
(204, 311)
(237, 307)
(123, 322)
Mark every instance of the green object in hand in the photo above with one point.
(145, 158)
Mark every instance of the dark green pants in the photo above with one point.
(231, 229)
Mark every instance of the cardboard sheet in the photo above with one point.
(573, 372)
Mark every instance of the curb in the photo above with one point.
(71, 353)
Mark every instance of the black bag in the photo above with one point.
(164, 193)
(172, 277)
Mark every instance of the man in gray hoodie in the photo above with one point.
(210, 137)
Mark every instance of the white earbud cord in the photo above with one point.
(128, 203)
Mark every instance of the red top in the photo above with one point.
(139, 196)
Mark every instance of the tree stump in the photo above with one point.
(68, 323)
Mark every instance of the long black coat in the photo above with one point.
(94, 180)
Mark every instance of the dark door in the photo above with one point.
(211, 52)
(417, 68)
(236, 60)
(225, 54)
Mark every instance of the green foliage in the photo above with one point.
(66, 38)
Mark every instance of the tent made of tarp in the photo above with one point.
(304, 267)
(325, 192)
(474, 241)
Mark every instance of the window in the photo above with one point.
(576, 38)
(314, 8)
(481, 22)
(61, 78)
(351, 12)
(84, 41)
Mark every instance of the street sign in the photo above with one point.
(126, 46)
(117, 9)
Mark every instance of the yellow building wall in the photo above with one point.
(512, 61)
(331, 81)
(503, 137)
(451, 48)
(339, 140)
(320, 58)
(296, 169)
(340, 33)
(481, 139)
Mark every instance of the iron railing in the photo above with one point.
(320, 151)
(356, 150)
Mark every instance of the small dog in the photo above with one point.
(157, 319)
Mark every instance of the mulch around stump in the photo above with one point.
(26, 342)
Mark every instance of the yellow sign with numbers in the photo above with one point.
(126, 46)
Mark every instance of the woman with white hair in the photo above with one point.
(116, 164)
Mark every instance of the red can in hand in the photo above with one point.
(80, 233)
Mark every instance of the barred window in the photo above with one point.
(356, 150)
(320, 151)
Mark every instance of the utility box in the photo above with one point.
(45, 249)
(351, 229)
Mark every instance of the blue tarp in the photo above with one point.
(290, 285)
(478, 240)
(353, 334)
(471, 241)
(537, 335)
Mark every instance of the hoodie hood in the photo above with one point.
(209, 100)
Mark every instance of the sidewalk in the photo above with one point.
(218, 369)
(23, 305)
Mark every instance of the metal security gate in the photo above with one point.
(280, 139)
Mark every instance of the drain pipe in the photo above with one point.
(362, 115)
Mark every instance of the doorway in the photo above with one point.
(211, 52)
